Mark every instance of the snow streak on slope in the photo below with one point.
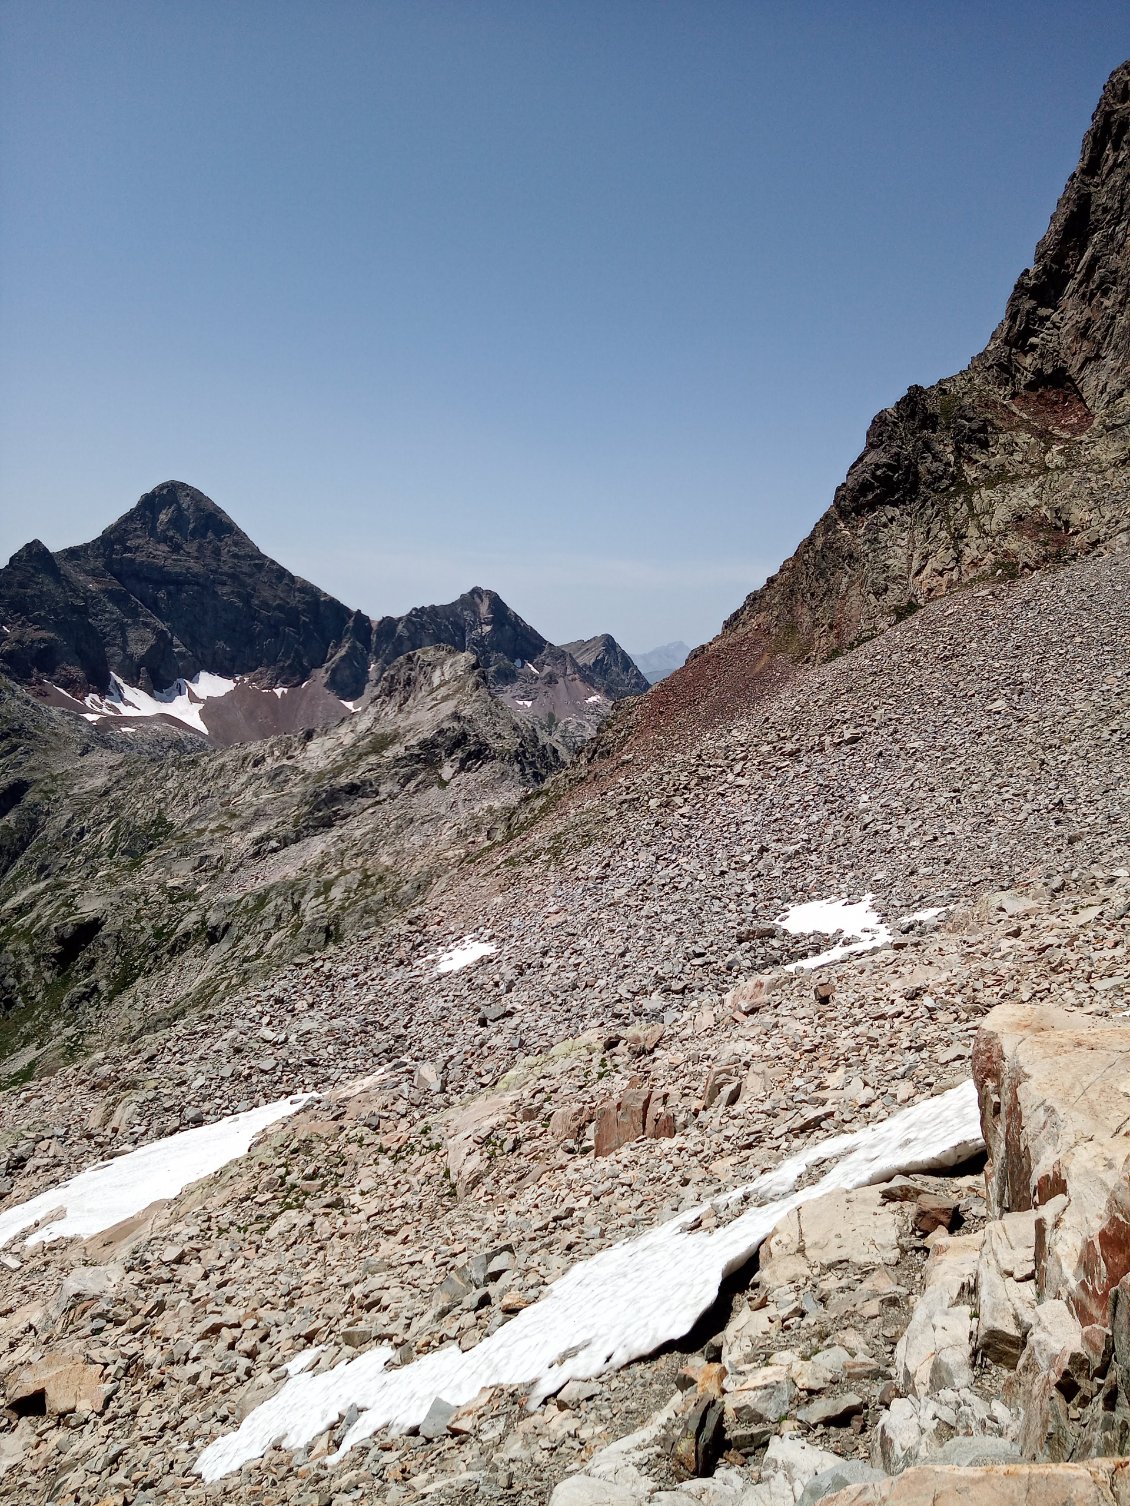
(829, 917)
(615, 1307)
(464, 954)
(102, 1196)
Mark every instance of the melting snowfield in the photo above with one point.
(830, 917)
(464, 954)
(102, 1196)
(184, 699)
(860, 924)
(615, 1307)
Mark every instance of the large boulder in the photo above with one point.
(1055, 1108)
(1097, 1482)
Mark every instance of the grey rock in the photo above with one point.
(839, 1477)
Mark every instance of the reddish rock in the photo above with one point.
(1055, 1110)
(567, 1122)
(934, 1212)
(620, 1120)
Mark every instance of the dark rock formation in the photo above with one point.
(478, 622)
(48, 632)
(1018, 462)
(172, 588)
(608, 666)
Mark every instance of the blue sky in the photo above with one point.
(588, 302)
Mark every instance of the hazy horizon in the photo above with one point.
(590, 305)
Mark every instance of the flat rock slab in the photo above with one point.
(1097, 1482)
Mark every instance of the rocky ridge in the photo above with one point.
(172, 611)
(1016, 464)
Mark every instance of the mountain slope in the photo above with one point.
(1015, 464)
(138, 863)
(613, 669)
(170, 589)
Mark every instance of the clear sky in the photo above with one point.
(590, 302)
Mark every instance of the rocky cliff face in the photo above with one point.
(605, 661)
(1017, 463)
(172, 588)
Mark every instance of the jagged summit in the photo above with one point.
(170, 589)
(175, 510)
(604, 657)
(174, 589)
(477, 622)
(1068, 318)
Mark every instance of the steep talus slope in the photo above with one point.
(172, 588)
(978, 747)
(154, 881)
(1017, 463)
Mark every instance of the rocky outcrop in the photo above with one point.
(1017, 463)
(172, 588)
(606, 663)
(478, 622)
(1043, 1291)
(1099, 1482)
(1055, 1105)
(1055, 1101)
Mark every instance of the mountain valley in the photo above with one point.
(438, 1066)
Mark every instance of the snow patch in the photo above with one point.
(620, 1304)
(468, 950)
(525, 703)
(183, 699)
(304, 1360)
(861, 924)
(103, 1195)
(828, 917)
(591, 699)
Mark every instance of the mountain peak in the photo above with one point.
(175, 511)
(173, 587)
(1068, 318)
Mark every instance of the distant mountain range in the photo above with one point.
(173, 612)
(657, 662)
